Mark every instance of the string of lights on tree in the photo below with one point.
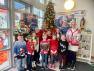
(49, 15)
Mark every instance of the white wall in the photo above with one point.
(87, 5)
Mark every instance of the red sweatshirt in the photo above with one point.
(30, 47)
(39, 35)
(53, 46)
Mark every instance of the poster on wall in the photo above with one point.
(3, 57)
(3, 18)
(4, 60)
(68, 17)
(4, 40)
(17, 20)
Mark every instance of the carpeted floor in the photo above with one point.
(79, 67)
(83, 67)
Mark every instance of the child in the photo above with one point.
(30, 50)
(19, 53)
(36, 49)
(53, 50)
(44, 48)
(63, 51)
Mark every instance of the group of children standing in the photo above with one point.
(48, 46)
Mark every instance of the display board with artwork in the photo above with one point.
(85, 49)
(4, 60)
(4, 40)
(4, 18)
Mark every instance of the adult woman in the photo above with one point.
(73, 36)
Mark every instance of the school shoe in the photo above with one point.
(46, 67)
(63, 68)
(73, 68)
(24, 69)
(50, 66)
(42, 67)
(33, 68)
(53, 65)
(69, 66)
(60, 67)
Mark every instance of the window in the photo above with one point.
(41, 13)
(2, 2)
(40, 21)
(28, 9)
(22, 6)
(38, 12)
(41, 1)
(19, 6)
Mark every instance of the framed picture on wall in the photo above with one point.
(4, 40)
(4, 18)
(5, 61)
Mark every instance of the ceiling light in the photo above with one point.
(69, 4)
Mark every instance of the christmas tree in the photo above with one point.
(49, 15)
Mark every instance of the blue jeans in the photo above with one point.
(53, 58)
(20, 64)
(29, 61)
(44, 59)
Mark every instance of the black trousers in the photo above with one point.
(36, 56)
(71, 58)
